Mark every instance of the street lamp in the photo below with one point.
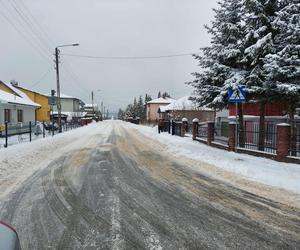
(57, 81)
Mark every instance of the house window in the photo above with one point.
(7, 116)
(20, 115)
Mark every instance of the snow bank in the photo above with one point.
(277, 174)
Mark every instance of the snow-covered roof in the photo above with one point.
(6, 97)
(184, 103)
(19, 98)
(71, 114)
(67, 96)
(161, 100)
(89, 105)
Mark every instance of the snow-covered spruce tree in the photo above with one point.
(259, 43)
(282, 68)
(221, 62)
(141, 114)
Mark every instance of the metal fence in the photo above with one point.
(295, 141)
(176, 128)
(202, 131)
(221, 133)
(252, 140)
(165, 126)
(11, 134)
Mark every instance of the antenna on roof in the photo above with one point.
(14, 83)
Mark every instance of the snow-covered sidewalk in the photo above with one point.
(262, 170)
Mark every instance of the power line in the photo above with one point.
(26, 20)
(38, 25)
(37, 49)
(42, 78)
(128, 57)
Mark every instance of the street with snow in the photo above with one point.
(116, 185)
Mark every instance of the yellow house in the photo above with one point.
(42, 113)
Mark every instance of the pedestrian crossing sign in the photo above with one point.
(237, 95)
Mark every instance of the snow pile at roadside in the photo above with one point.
(277, 174)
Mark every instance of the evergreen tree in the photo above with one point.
(141, 110)
(159, 95)
(121, 114)
(282, 68)
(259, 43)
(222, 62)
(147, 98)
(165, 95)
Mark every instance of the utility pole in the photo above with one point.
(58, 89)
(58, 83)
(93, 102)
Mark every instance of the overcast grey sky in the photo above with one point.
(104, 28)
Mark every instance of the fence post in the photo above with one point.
(29, 131)
(6, 134)
(232, 136)
(210, 132)
(283, 141)
(169, 127)
(43, 129)
(173, 127)
(195, 128)
(184, 126)
(159, 125)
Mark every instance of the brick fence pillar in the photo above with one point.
(184, 126)
(210, 132)
(232, 136)
(283, 141)
(195, 128)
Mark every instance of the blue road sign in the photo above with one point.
(237, 95)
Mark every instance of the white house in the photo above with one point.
(15, 109)
(68, 104)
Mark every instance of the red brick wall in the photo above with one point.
(272, 109)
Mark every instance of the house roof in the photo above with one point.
(183, 103)
(11, 98)
(161, 100)
(33, 91)
(15, 99)
(89, 105)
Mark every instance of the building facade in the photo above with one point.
(43, 113)
(15, 109)
(185, 108)
(153, 107)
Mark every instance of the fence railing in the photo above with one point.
(202, 131)
(11, 134)
(295, 140)
(221, 133)
(275, 141)
(254, 139)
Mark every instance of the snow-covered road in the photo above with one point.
(113, 185)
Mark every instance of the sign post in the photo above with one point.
(237, 96)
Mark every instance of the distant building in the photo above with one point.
(185, 108)
(152, 108)
(68, 104)
(92, 111)
(71, 108)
